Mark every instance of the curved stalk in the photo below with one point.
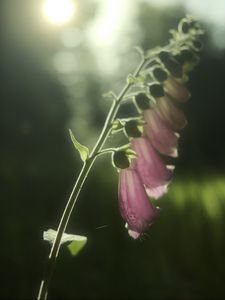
(43, 291)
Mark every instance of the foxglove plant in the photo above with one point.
(157, 87)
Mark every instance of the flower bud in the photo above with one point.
(197, 45)
(171, 64)
(184, 26)
(187, 24)
(156, 90)
(160, 74)
(184, 56)
(120, 159)
(193, 24)
(142, 101)
(131, 129)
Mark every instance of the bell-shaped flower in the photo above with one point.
(161, 136)
(154, 174)
(135, 207)
(176, 90)
(170, 114)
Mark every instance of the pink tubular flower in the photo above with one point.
(176, 90)
(160, 135)
(154, 174)
(135, 207)
(170, 114)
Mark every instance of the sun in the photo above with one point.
(58, 11)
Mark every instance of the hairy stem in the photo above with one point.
(43, 291)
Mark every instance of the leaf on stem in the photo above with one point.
(140, 51)
(83, 150)
(77, 242)
(110, 94)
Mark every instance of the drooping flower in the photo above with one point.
(160, 135)
(135, 207)
(176, 90)
(154, 174)
(170, 114)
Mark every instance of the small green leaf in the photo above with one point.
(76, 246)
(110, 94)
(77, 242)
(83, 150)
(140, 51)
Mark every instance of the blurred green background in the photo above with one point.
(52, 78)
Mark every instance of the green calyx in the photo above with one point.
(171, 64)
(188, 24)
(156, 90)
(160, 74)
(185, 55)
(197, 45)
(142, 101)
(133, 128)
(122, 157)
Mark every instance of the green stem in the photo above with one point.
(105, 151)
(43, 291)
